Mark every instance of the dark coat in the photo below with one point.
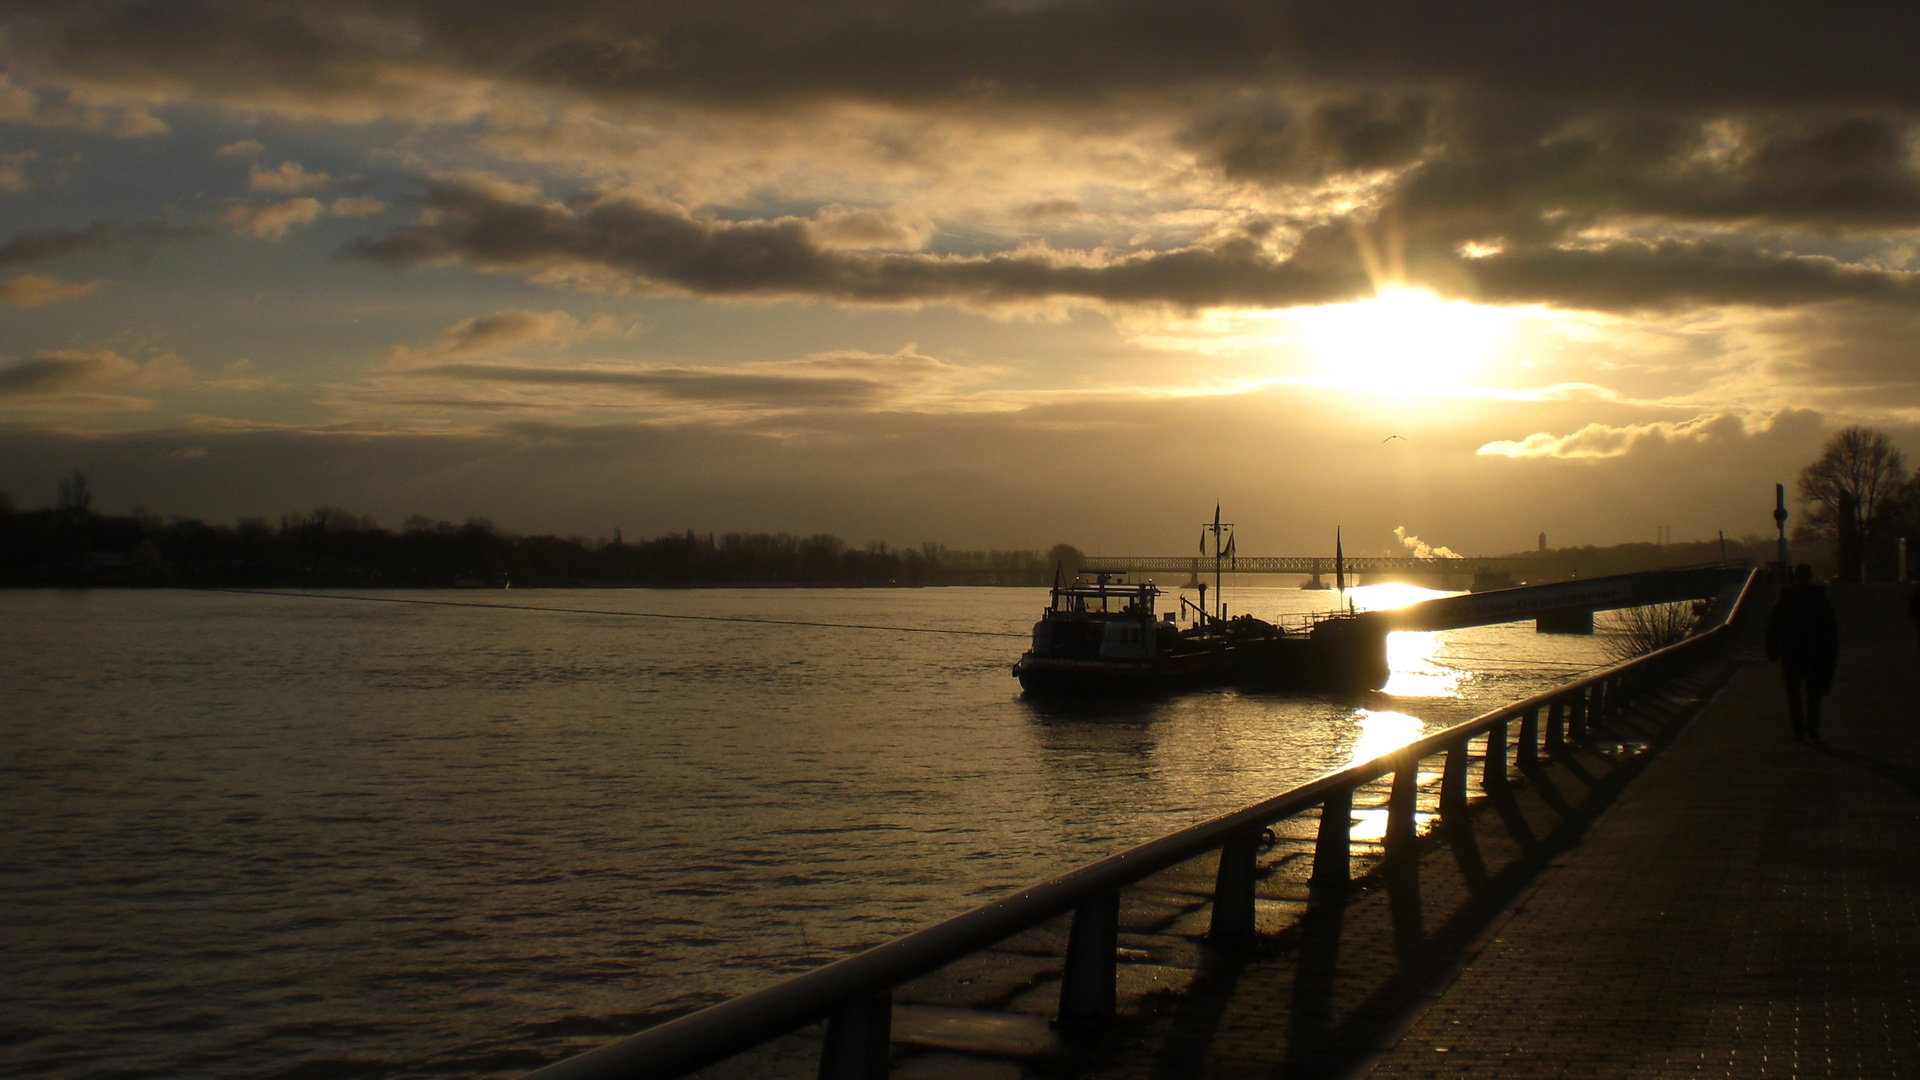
(1803, 634)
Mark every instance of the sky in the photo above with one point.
(996, 274)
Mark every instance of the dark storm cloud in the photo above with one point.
(1507, 125)
(759, 52)
(778, 259)
(101, 235)
(466, 224)
(1267, 138)
(1850, 172)
(1632, 276)
(753, 53)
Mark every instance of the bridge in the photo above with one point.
(1318, 566)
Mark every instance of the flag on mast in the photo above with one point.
(1339, 562)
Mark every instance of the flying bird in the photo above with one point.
(1390, 438)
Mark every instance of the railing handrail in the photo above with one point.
(720, 1031)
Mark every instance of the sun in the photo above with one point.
(1406, 342)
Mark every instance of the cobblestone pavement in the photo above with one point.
(1318, 996)
(1749, 908)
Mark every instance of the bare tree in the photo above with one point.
(1851, 489)
(1637, 630)
(74, 497)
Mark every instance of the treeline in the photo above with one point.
(1590, 561)
(69, 544)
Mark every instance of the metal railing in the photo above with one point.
(854, 995)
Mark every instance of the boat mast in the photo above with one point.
(1222, 533)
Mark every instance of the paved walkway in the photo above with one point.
(1750, 907)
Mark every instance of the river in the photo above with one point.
(316, 836)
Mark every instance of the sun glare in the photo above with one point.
(1406, 342)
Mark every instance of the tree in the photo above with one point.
(1852, 489)
(74, 497)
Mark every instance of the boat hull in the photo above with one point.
(1050, 675)
(1344, 662)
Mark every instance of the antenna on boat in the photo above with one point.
(1223, 548)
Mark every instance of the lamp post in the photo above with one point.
(1780, 522)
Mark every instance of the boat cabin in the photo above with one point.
(1102, 618)
(1104, 597)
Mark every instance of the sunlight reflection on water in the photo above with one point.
(1415, 671)
(1384, 732)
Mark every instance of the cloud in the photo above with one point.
(653, 247)
(73, 111)
(355, 206)
(33, 290)
(13, 172)
(1630, 275)
(86, 381)
(500, 332)
(291, 178)
(853, 228)
(835, 380)
(244, 148)
(100, 235)
(1273, 137)
(1585, 146)
(977, 53)
(53, 372)
(1599, 440)
(271, 222)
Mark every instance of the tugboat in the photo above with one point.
(1104, 637)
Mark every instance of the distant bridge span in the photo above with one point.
(1317, 565)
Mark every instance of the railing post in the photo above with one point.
(1556, 727)
(1333, 848)
(1401, 828)
(1494, 771)
(1528, 755)
(1577, 713)
(1233, 908)
(859, 1040)
(1087, 993)
(1453, 779)
(1403, 856)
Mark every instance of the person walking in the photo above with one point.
(1803, 636)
